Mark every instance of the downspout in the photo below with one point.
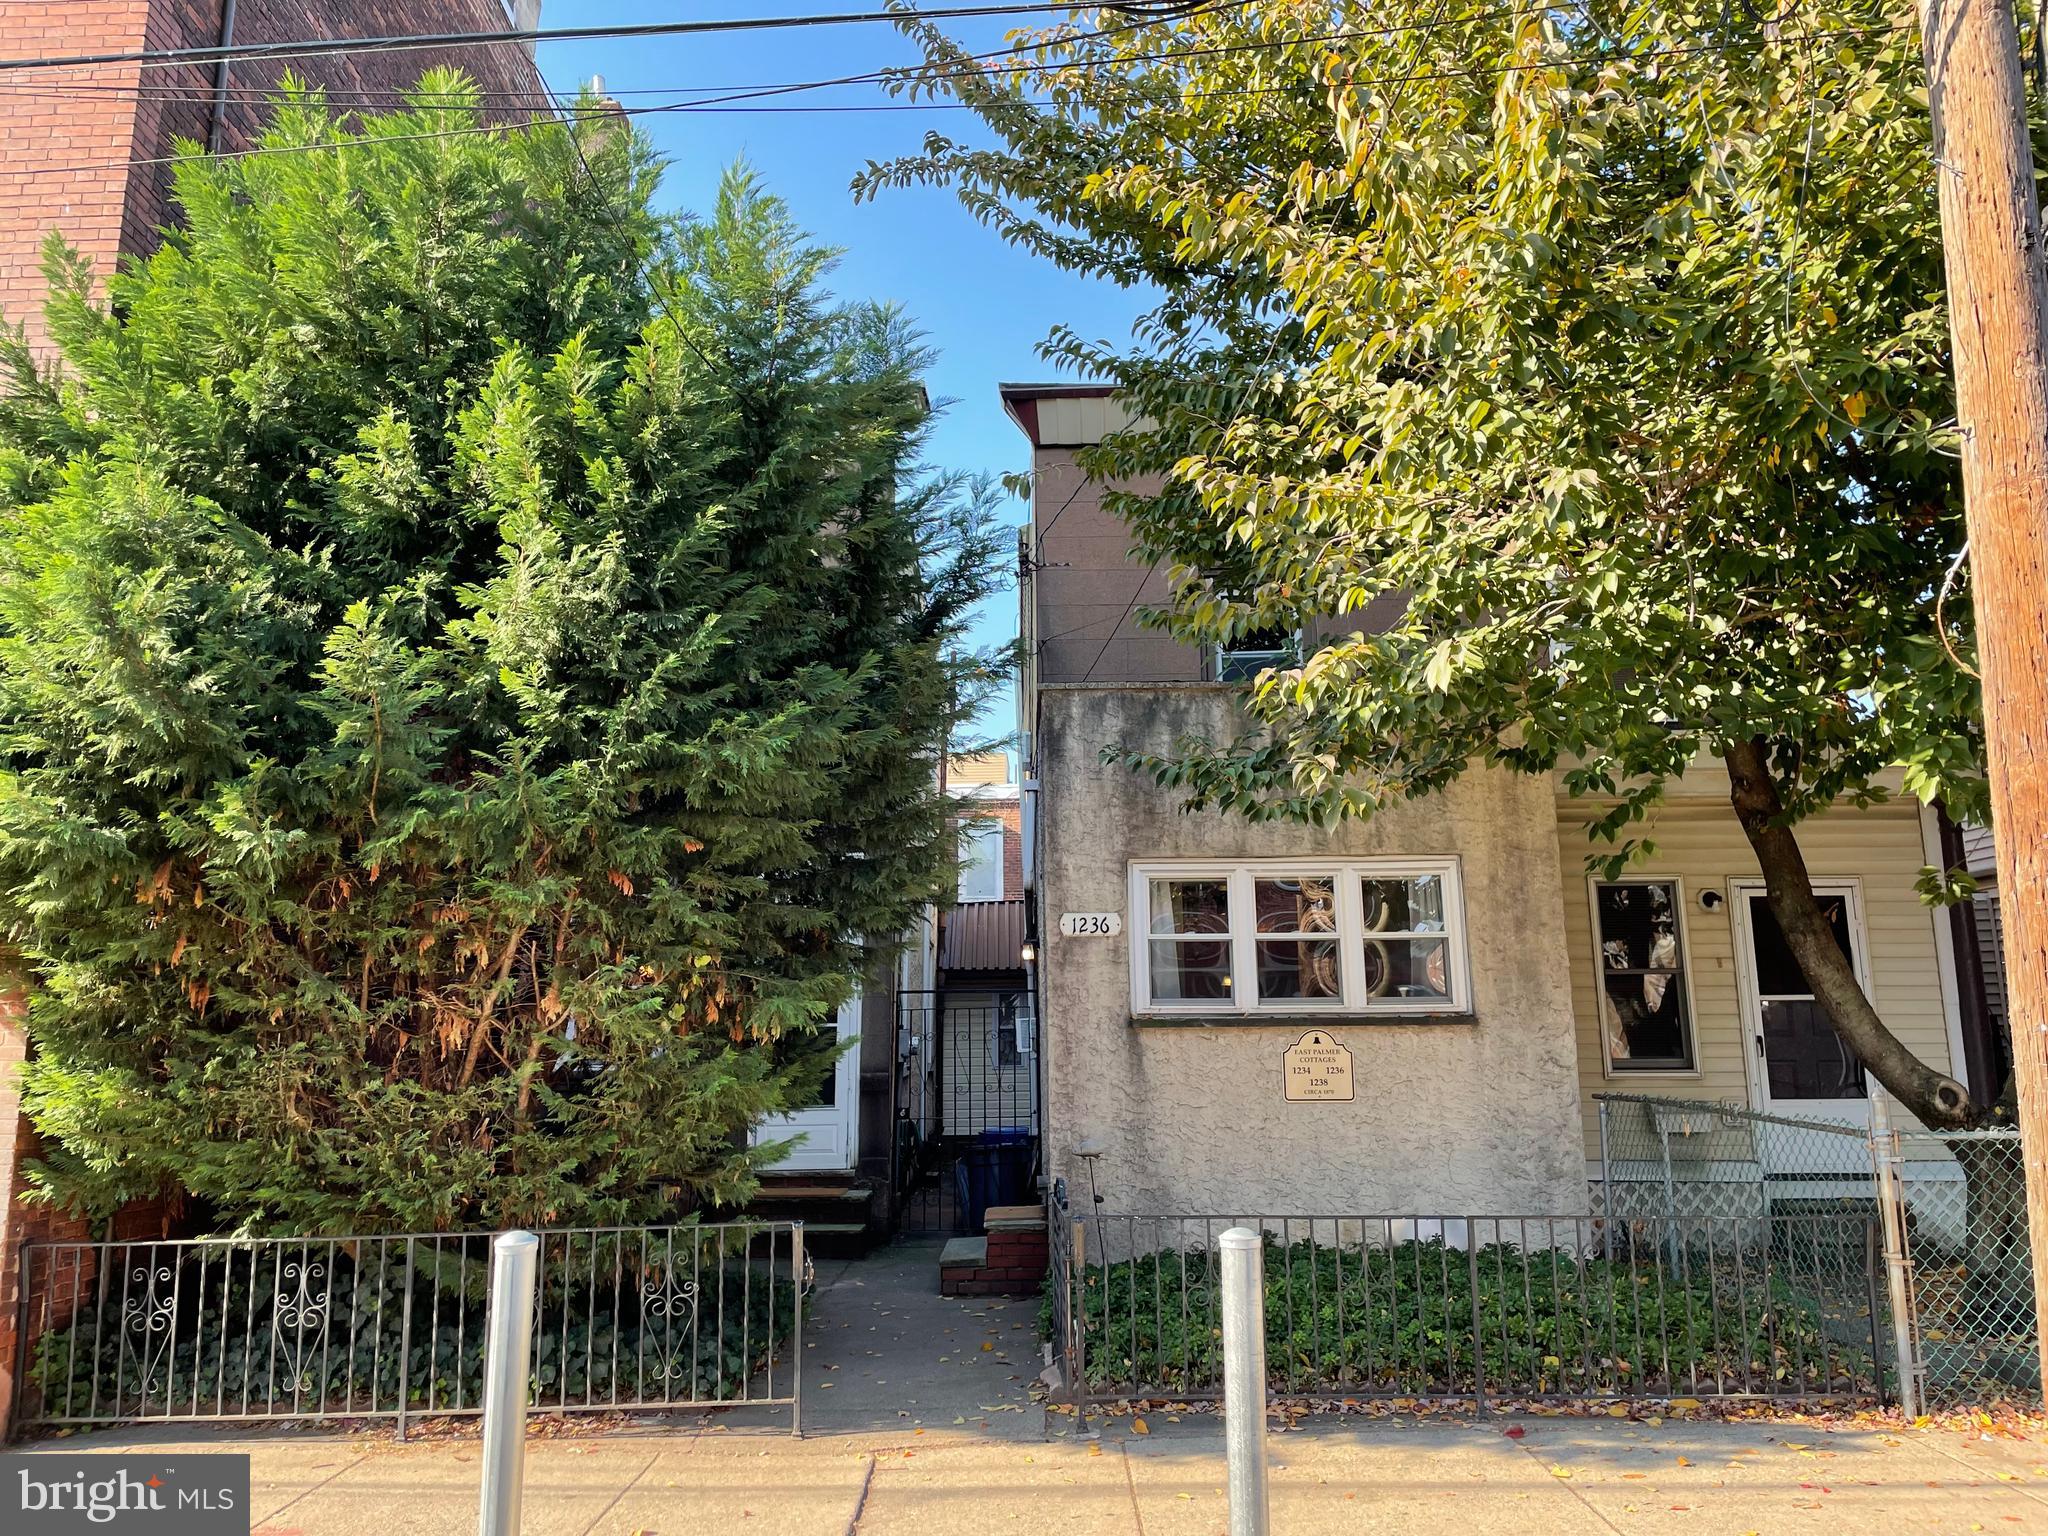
(1980, 1042)
(216, 132)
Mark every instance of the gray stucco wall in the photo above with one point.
(1450, 1118)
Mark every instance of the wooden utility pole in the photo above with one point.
(1998, 318)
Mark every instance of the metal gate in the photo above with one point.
(967, 1127)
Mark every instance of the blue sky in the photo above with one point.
(984, 305)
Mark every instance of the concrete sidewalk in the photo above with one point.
(1354, 1475)
(918, 1422)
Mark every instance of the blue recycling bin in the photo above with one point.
(994, 1169)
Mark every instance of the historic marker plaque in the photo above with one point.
(1316, 1068)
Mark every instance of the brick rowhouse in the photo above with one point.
(85, 148)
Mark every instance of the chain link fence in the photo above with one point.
(1960, 1216)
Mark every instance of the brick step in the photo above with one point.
(974, 1266)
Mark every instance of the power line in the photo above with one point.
(968, 66)
(163, 58)
(730, 104)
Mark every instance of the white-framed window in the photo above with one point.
(1242, 659)
(1293, 936)
(981, 862)
(1645, 980)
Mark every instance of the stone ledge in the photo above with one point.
(964, 1253)
(1294, 1020)
(1014, 1218)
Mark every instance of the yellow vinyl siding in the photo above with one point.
(1700, 845)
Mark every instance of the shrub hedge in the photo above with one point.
(1401, 1318)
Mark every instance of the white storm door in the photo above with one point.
(1798, 1065)
(830, 1129)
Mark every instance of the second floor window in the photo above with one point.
(1242, 659)
(981, 862)
(1292, 936)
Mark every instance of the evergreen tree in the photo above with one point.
(473, 654)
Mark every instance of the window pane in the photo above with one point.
(1190, 970)
(1777, 973)
(1305, 968)
(1407, 968)
(1397, 905)
(1646, 1020)
(1639, 927)
(1805, 1058)
(1190, 906)
(1250, 654)
(1295, 906)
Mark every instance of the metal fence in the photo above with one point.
(1480, 1308)
(625, 1318)
(968, 1127)
(1961, 1213)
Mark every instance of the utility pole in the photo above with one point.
(1998, 319)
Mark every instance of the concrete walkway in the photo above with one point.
(889, 1353)
(918, 1423)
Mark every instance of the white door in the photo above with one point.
(1798, 1065)
(830, 1129)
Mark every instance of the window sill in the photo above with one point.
(1295, 1020)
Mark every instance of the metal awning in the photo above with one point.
(982, 936)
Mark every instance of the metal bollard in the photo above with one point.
(1244, 1378)
(507, 1364)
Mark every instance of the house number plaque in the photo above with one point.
(1317, 1069)
(1091, 925)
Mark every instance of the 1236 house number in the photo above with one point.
(1091, 925)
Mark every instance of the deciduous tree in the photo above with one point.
(1608, 337)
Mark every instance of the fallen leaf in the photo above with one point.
(1514, 1431)
(1140, 1427)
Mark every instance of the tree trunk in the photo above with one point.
(1932, 1098)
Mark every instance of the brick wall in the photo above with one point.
(68, 135)
(369, 81)
(18, 1223)
(72, 133)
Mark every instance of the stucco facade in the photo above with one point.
(1489, 1105)
(1468, 1115)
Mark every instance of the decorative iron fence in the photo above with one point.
(626, 1318)
(1962, 1216)
(1481, 1308)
